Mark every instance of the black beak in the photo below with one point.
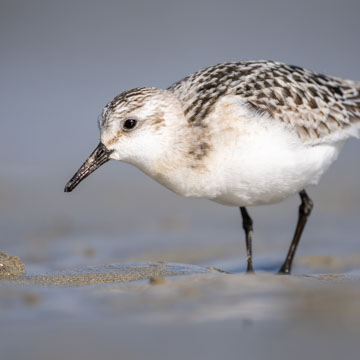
(100, 156)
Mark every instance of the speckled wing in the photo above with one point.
(315, 105)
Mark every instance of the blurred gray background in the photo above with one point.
(62, 61)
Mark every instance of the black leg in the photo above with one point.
(304, 213)
(248, 227)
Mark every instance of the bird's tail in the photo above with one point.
(351, 96)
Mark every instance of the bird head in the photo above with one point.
(136, 127)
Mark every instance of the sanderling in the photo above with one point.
(240, 134)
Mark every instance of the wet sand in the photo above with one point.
(10, 266)
(115, 273)
(176, 311)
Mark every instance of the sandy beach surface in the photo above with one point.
(177, 311)
(160, 310)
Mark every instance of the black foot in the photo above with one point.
(250, 269)
(285, 270)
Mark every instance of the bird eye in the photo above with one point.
(129, 124)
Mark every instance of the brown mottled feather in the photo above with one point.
(313, 104)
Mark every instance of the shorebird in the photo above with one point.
(238, 133)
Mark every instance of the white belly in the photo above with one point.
(268, 168)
